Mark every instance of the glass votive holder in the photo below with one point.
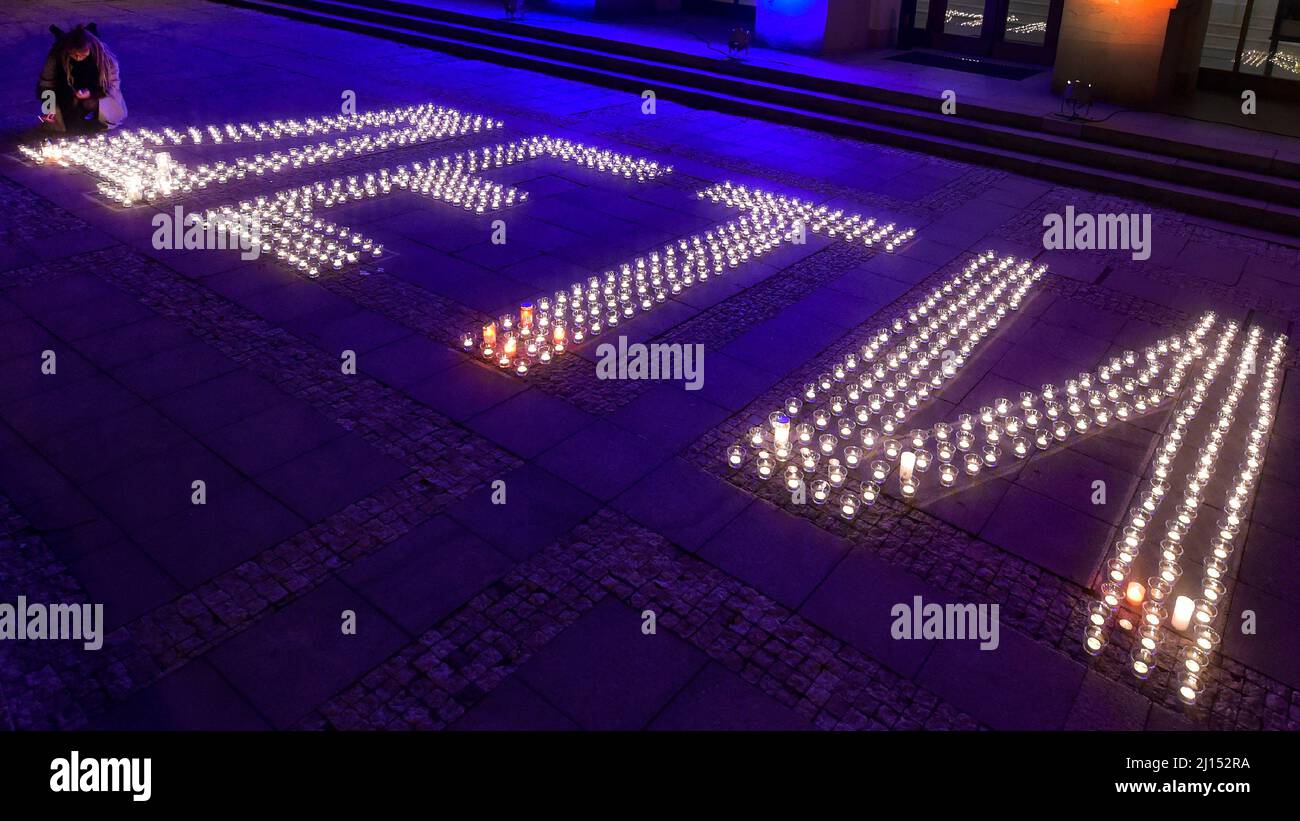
(836, 473)
(987, 415)
(992, 434)
(1042, 439)
(1220, 549)
(1111, 595)
(848, 506)
(852, 456)
(907, 487)
(945, 451)
(1094, 640)
(888, 425)
(808, 459)
(916, 438)
(755, 437)
(891, 448)
(1028, 399)
(1149, 636)
(1141, 662)
(869, 493)
(1060, 430)
(972, 464)
(869, 437)
(1205, 612)
(991, 454)
(765, 464)
(821, 491)
(1193, 659)
(793, 478)
(1158, 589)
(1153, 612)
(965, 440)
(845, 428)
(1170, 551)
(804, 432)
(735, 456)
(1011, 426)
(1213, 591)
(821, 418)
(1205, 637)
(1098, 613)
(942, 432)
(923, 459)
(965, 422)
(826, 443)
(1215, 568)
(793, 405)
(879, 470)
(947, 474)
(1170, 571)
(1190, 686)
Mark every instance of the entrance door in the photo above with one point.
(1021, 30)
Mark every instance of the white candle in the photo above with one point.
(1182, 616)
(906, 464)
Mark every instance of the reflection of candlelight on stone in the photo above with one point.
(1183, 608)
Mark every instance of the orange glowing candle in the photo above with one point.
(559, 334)
(490, 335)
(1135, 594)
(510, 345)
(526, 315)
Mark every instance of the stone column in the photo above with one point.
(1117, 45)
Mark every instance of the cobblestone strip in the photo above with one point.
(967, 566)
(1116, 302)
(435, 680)
(56, 685)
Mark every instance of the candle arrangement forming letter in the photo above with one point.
(587, 308)
(867, 395)
(133, 170)
(288, 226)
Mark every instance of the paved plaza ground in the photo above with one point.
(372, 492)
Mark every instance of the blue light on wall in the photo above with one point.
(792, 24)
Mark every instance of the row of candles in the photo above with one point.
(1214, 581)
(1120, 389)
(132, 171)
(262, 131)
(288, 224)
(1198, 614)
(1152, 599)
(544, 329)
(828, 430)
(815, 218)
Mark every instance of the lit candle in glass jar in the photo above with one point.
(780, 430)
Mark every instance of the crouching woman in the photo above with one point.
(83, 76)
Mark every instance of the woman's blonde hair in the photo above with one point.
(77, 39)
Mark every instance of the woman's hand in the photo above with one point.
(83, 94)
